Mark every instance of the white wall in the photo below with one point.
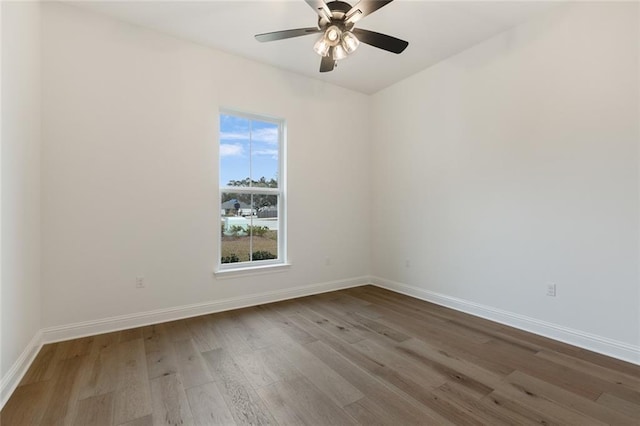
(130, 122)
(20, 229)
(515, 163)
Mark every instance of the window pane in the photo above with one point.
(235, 150)
(264, 229)
(234, 228)
(249, 164)
(264, 154)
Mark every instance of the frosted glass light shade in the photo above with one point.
(339, 52)
(350, 42)
(321, 47)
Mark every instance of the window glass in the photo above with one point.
(251, 191)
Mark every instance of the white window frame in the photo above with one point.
(280, 191)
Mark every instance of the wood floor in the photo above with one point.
(360, 356)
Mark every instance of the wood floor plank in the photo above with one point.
(65, 384)
(191, 366)
(257, 329)
(208, 406)
(349, 304)
(320, 374)
(74, 348)
(131, 334)
(469, 403)
(177, 330)
(311, 405)
(460, 349)
(467, 374)
(377, 393)
(95, 411)
(141, 421)
(345, 349)
(520, 410)
(561, 375)
(279, 405)
(27, 404)
(244, 403)
(169, 401)
(289, 307)
(105, 341)
(350, 371)
(283, 323)
(403, 365)
(570, 400)
(450, 343)
(560, 413)
(265, 367)
(43, 365)
(203, 334)
(155, 337)
(591, 369)
(361, 325)
(161, 358)
(406, 384)
(368, 412)
(133, 396)
(231, 331)
(99, 378)
(338, 329)
(620, 405)
(356, 319)
(332, 324)
(430, 323)
(592, 357)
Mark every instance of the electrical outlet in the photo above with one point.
(327, 261)
(139, 282)
(407, 263)
(551, 289)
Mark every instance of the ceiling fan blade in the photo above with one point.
(328, 63)
(320, 7)
(281, 35)
(381, 41)
(364, 8)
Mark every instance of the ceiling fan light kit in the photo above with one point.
(339, 39)
(342, 41)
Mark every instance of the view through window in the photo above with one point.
(251, 190)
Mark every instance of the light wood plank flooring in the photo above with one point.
(360, 356)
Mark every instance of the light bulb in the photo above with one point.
(339, 52)
(321, 47)
(333, 34)
(350, 42)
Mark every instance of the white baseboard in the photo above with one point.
(592, 342)
(10, 381)
(123, 322)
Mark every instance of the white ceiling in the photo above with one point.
(435, 30)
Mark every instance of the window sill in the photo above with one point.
(250, 271)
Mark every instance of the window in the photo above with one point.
(252, 191)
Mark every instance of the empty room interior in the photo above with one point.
(323, 213)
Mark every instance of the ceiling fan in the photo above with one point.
(336, 20)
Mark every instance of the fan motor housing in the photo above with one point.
(338, 11)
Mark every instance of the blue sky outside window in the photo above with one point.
(248, 148)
